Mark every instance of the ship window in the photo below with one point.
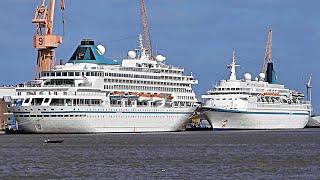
(52, 74)
(58, 74)
(70, 73)
(64, 73)
(46, 100)
(77, 73)
(27, 100)
(87, 73)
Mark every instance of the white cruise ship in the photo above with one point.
(92, 94)
(254, 104)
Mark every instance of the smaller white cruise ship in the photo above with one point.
(254, 104)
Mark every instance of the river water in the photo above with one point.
(178, 155)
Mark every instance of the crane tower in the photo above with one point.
(44, 40)
(268, 53)
(147, 43)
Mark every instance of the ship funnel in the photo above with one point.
(271, 77)
(88, 52)
(87, 42)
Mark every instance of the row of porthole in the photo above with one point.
(101, 110)
(96, 116)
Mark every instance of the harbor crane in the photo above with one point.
(147, 43)
(268, 53)
(44, 40)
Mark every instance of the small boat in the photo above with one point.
(52, 141)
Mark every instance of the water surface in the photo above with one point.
(181, 155)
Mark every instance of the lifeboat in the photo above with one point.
(145, 96)
(270, 94)
(170, 97)
(157, 97)
(117, 93)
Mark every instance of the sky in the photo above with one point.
(196, 35)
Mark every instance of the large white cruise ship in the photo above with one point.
(254, 104)
(92, 93)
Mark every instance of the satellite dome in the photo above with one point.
(256, 79)
(160, 58)
(262, 76)
(101, 49)
(247, 76)
(132, 54)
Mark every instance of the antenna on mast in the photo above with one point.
(145, 27)
(268, 53)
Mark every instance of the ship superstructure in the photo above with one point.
(261, 103)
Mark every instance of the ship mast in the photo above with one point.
(44, 40)
(232, 66)
(309, 87)
(268, 53)
(145, 27)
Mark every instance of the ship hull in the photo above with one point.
(101, 121)
(242, 120)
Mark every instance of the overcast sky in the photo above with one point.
(198, 35)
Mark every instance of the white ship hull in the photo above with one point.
(104, 120)
(229, 120)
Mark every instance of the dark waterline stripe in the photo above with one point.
(247, 112)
